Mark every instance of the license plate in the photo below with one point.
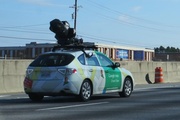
(45, 74)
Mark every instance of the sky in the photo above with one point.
(136, 23)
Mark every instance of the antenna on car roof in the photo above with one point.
(66, 37)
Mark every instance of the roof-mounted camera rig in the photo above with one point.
(66, 37)
(63, 33)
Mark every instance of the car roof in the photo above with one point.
(73, 52)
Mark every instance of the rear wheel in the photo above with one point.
(36, 97)
(86, 91)
(127, 88)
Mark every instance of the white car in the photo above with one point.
(76, 72)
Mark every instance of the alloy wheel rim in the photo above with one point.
(128, 87)
(86, 90)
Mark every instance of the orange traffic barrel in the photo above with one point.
(159, 75)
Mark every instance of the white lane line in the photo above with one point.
(1, 96)
(22, 97)
(71, 106)
(153, 87)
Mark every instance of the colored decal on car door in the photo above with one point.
(113, 78)
(112, 74)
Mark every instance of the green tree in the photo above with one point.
(168, 49)
(162, 49)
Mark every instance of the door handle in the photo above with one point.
(91, 70)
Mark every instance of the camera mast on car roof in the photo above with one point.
(66, 37)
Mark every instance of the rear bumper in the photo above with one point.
(52, 88)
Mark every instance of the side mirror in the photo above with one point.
(88, 55)
(117, 64)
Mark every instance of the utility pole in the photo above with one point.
(75, 10)
(74, 15)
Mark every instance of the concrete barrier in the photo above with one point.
(12, 73)
(144, 72)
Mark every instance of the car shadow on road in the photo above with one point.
(72, 99)
(57, 99)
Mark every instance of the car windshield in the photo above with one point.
(52, 60)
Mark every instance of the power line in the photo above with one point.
(23, 26)
(135, 24)
(130, 16)
(108, 40)
(24, 38)
(10, 28)
(25, 31)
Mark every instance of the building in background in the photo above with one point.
(115, 52)
(12, 52)
(30, 51)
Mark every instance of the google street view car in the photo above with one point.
(75, 68)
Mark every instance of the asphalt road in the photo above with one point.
(148, 102)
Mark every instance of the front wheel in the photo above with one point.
(86, 91)
(127, 88)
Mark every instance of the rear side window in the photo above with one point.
(92, 61)
(81, 59)
(48, 60)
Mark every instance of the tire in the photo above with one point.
(36, 97)
(127, 88)
(86, 91)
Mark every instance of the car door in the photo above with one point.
(95, 74)
(112, 73)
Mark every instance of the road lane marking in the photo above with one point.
(22, 97)
(71, 106)
(1, 96)
(154, 87)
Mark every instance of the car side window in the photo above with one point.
(105, 61)
(81, 59)
(92, 61)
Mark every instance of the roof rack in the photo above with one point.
(81, 47)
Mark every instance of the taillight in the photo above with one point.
(28, 83)
(70, 71)
(74, 70)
